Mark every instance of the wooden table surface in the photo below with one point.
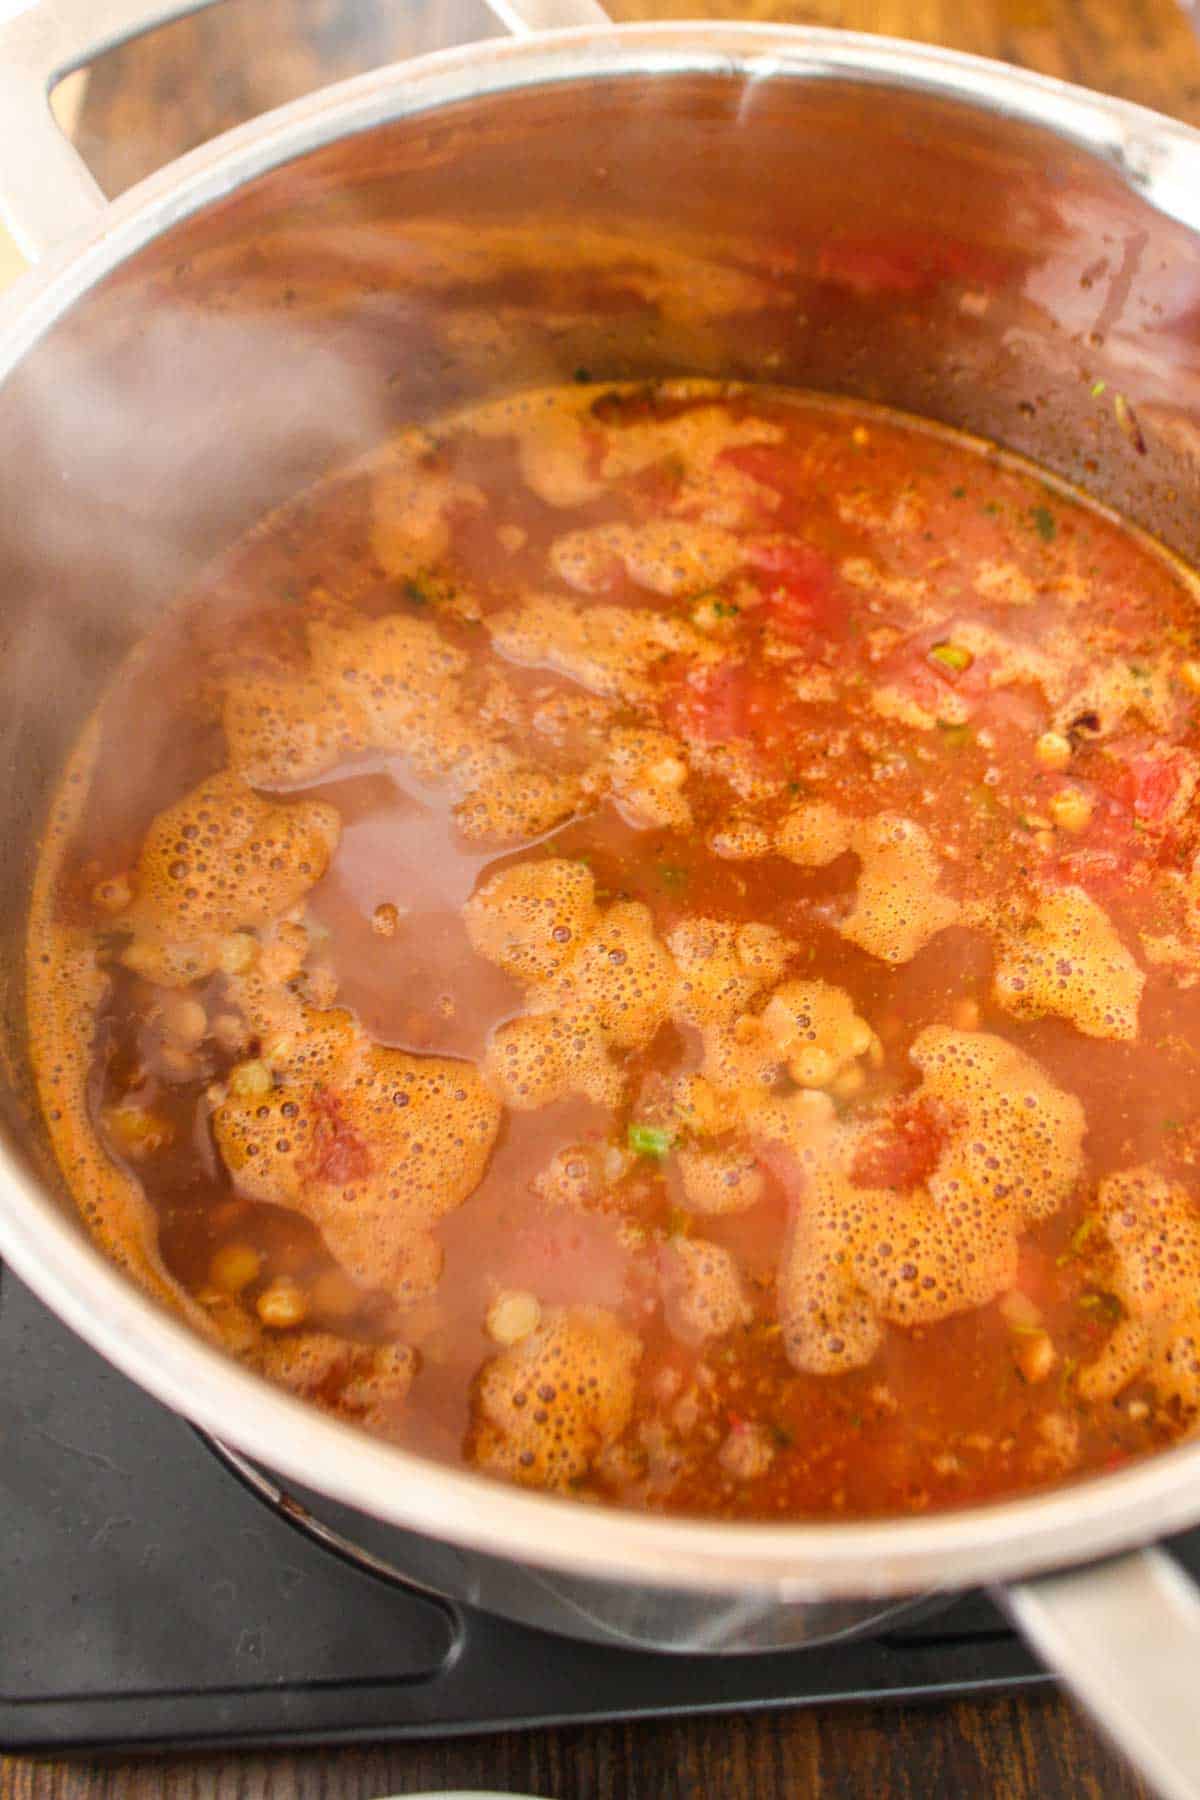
(149, 102)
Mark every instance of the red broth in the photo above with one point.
(649, 946)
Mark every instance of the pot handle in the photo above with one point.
(46, 190)
(1125, 1636)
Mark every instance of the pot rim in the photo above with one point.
(48, 1249)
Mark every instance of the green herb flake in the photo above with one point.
(1172, 1124)
(958, 493)
(1098, 388)
(1044, 523)
(414, 593)
(650, 1140)
(725, 609)
(673, 878)
(1079, 1238)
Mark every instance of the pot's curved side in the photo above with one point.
(744, 72)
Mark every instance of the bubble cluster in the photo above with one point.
(283, 727)
(1153, 1230)
(722, 967)
(1112, 694)
(814, 1026)
(673, 557)
(1008, 1152)
(400, 672)
(531, 919)
(703, 1295)
(219, 861)
(647, 771)
(371, 1144)
(522, 802)
(598, 981)
(1068, 959)
(610, 650)
(412, 497)
(569, 456)
(546, 1407)
(898, 903)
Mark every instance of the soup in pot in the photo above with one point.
(645, 940)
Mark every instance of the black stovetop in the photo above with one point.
(152, 1601)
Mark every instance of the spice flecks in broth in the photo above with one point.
(669, 972)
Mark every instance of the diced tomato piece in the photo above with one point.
(907, 263)
(655, 490)
(1154, 786)
(905, 1152)
(1105, 855)
(714, 704)
(771, 465)
(803, 594)
(339, 1154)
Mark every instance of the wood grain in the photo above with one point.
(1004, 1748)
(149, 102)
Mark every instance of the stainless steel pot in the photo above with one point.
(184, 358)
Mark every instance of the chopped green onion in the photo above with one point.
(650, 1140)
(951, 656)
(673, 878)
(1044, 522)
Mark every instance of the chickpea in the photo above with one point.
(282, 1304)
(234, 1267)
(513, 1315)
(250, 1080)
(229, 1032)
(237, 953)
(135, 1130)
(812, 1067)
(1072, 809)
(283, 959)
(1053, 750)
(1035, 1356)
(185, 1019)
